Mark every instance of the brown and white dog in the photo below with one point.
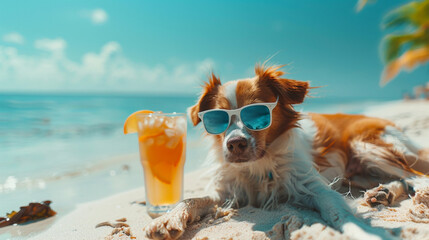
(296, 157)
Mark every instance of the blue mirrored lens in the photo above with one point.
(216, 122)
(255, 117)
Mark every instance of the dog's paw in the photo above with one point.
(288, 224)
(169, 226)
(379, 195)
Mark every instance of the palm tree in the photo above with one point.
(411, 47)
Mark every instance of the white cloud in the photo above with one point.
(106, 70)
(13, 37)
(98, 16)
(52, 45)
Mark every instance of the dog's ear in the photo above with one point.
(206, 100)
(291, 91)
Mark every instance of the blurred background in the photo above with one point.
(72, 71)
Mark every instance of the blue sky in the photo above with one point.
(170, 46)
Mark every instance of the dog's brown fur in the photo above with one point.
(278, 164)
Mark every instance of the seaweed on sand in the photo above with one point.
(34, 211)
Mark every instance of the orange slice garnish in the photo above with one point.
(163, 161)
(130, 125)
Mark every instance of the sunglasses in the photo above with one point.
(255, 117)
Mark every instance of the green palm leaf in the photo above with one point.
(408, 49)
(400, 16)
(395, 43)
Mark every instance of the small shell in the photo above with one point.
(120, 224)
(104, 224)
(121, 220)
(115, 231)
(113, 225)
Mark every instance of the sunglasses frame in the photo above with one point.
(237, 112)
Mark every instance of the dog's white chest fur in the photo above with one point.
(284, 173)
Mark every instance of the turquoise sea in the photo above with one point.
(70, 148)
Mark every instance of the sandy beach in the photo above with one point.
(411, 215)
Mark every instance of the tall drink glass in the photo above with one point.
(162, 143)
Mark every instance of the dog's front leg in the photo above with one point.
(172, 224)
(335, 211)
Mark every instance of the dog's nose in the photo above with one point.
(237, 145)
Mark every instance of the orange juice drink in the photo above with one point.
(162, 143)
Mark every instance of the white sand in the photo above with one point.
(249, 222)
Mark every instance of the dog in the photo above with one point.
(268, 154)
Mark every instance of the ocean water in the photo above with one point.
(50, 139)
(71, 149)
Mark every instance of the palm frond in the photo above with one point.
(400, 16)
(408, 60)
(414, 14)
(394, 43)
